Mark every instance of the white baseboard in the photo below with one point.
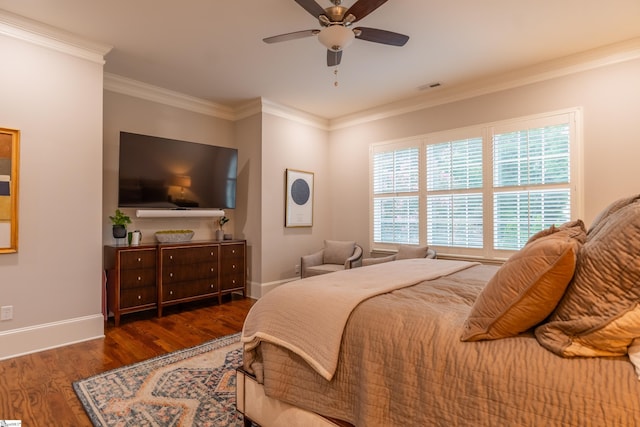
(18, 342)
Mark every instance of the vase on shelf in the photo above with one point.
(219, 234)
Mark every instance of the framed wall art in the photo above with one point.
(299, 198)
(9, 140)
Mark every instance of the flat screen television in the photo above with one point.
(170, 174)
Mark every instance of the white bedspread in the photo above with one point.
(308, 316)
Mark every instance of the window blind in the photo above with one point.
(479, 191)
(395, 202)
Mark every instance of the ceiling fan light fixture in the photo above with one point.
(336, 37)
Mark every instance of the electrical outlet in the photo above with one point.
(297, 268)
(6, 312)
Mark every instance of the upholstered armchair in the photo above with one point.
(404, 252)
(335, 256)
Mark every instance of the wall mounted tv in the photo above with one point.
(170, 174)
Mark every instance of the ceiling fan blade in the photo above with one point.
(333, 57)
(362, 8)
(290, 36)
(312, 7)
(380, 36)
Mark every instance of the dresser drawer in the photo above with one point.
(138, 259)
(137, 278)
(137, 297)
(189, 255)
(181, 273)
(233, 252)
(188, 289)
(232, 281)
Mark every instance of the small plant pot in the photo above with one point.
(119, 231)
(219, 234)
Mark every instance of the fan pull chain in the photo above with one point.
(335, 73)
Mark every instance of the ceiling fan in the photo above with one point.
(336, 32)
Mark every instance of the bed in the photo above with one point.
(544, 339)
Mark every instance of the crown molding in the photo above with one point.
(138, 89)
(607, 55)
(584, 61)
(294, 114)
(264, 105)
(40, 34)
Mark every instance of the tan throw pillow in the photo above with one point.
(410, 252)
(602, 217)
(599, 315)
(526, 289)
(554, 229)
(337, 252)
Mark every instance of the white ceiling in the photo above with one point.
(213, 49)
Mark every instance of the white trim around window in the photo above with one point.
(451, 175)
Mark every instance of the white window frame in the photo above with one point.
(573, 116)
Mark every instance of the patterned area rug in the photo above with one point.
(191, 387)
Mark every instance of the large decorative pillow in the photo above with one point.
(410, 252)
(526, 289)
(337, 252)
(554, 229)
(602, 217)
(599, 315)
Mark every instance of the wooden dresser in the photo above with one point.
(147, 277)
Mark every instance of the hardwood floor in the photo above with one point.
(37, 388)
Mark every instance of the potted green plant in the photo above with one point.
(119, 221)
(220, 232)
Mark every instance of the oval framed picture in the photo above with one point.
(299, 198)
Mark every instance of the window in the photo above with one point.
(454, 193)
(479, 191)
(531, 179)
(395, 196)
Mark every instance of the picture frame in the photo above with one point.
(298, 198)
(9, 160)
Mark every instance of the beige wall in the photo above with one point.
(609, 96)
(289, 144)
(248, 136)
(130, 114)
(54, 281)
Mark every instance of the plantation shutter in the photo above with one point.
(477, 192)
(454, 193)
(395, 196)
(531, 177)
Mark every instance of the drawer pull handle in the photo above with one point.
(211, 253)
(211, 286)
(170, 292)
(139, 278)
(170, 256)
(233, 281)
(139, 259)
(233, 251)
(233, 266)
(139, 296)
(211, 268)
(170, 274)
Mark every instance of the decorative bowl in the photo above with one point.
(173, 236)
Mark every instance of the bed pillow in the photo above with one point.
(526, 289)
(337, 252)
(602, 217)
(410, 252)
(599, 315)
